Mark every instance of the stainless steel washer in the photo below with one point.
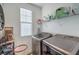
(37, 42)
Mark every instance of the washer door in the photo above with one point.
(1, 18)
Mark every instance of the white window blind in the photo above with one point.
(26, 22)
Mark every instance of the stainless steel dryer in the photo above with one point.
(37, 42)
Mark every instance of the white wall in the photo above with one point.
(68, 25)
(12, 18)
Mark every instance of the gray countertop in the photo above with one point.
(67, 44)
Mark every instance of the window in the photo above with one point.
(26, 22)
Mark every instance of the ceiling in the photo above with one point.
(43, 4)
(40, 4)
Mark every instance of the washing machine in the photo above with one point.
(37, 42)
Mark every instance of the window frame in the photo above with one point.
(25, 22)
